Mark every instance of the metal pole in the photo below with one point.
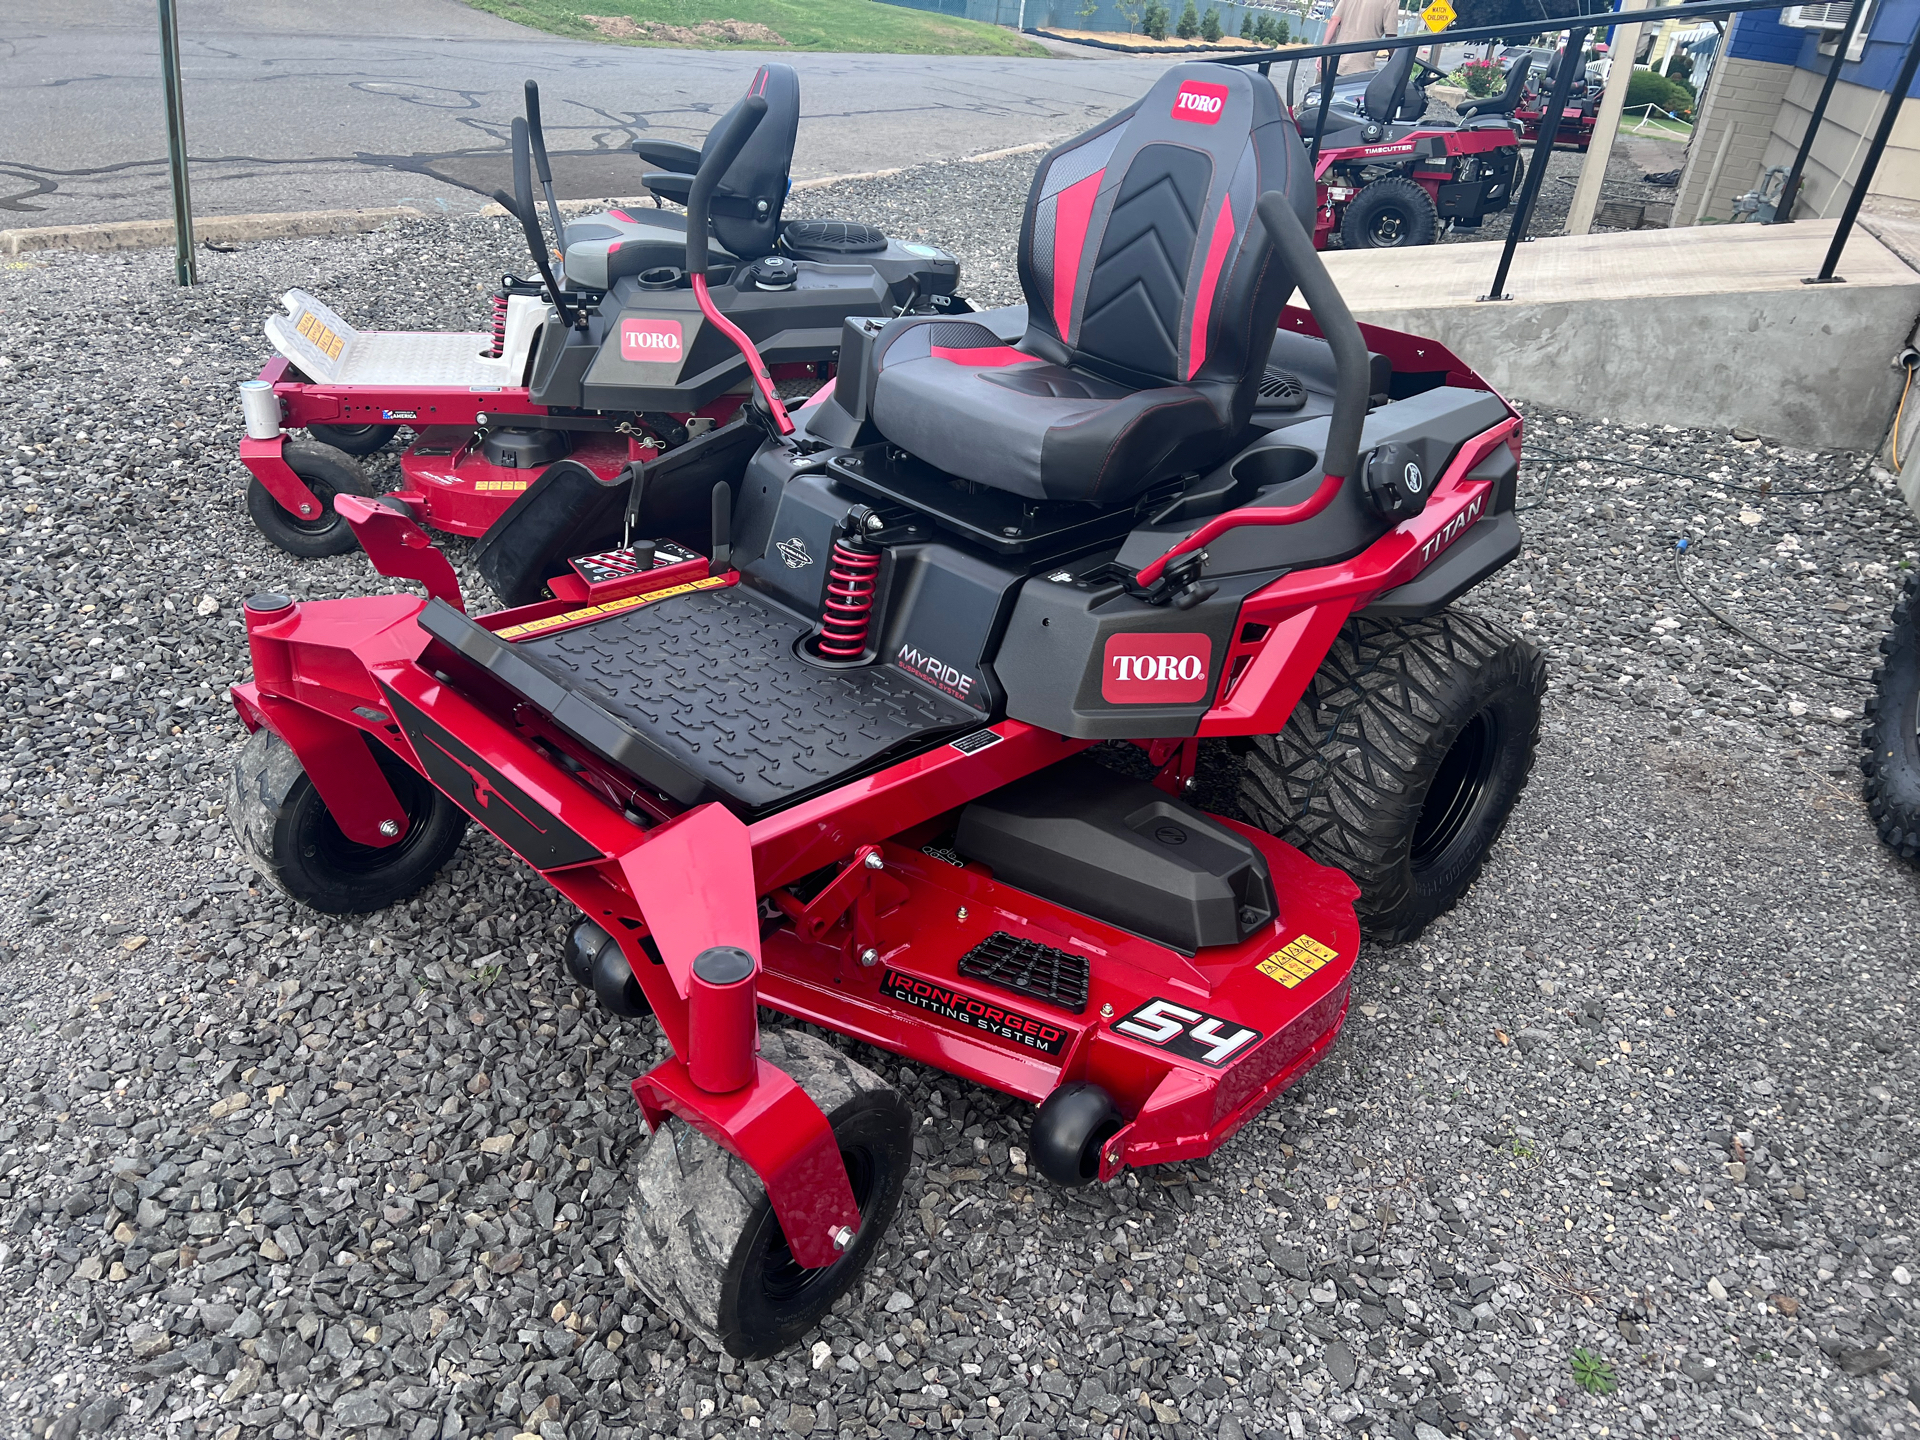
(1783, 210)
(1896, 98)
(1542, 152)
(183, 271)
(1586, 194)
(1329, 72)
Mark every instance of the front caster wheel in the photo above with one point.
(1402, 761)
(285, 830)
(700, 1233)
(1892, 737)
(1068, 1130)
(326, 473)
(594, 959)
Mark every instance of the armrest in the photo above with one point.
(674, 187)
(668, 155)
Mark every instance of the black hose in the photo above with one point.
(1353, 383)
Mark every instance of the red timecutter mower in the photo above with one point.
(837, 765)
(607, 362)
(1386, 182)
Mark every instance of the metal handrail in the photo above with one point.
(1577, 28)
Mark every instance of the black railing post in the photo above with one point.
(1896, 98)
(1542, 152)
(1329, 71)
(1783, 209)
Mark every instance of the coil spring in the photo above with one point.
(499, 325)
(848, 609)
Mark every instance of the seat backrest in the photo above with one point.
(1140, 253)
(748, 200)
(1382, 98)
(1517, 74)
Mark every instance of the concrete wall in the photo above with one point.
(1738, 114)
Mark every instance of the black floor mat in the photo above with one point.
(712, 681)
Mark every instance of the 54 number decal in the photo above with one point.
(1190, 1033)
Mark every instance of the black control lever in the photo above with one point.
(537, 136)
(520, 206)
(722, 548)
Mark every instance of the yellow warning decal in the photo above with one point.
(515, 485)
(321, 336)
(1296, 961)
(611, 607)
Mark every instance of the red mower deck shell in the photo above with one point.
(449, 486)
(1190, 1046)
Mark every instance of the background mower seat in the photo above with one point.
(1153, 292)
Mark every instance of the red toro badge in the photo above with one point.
(651, 342)
(1200, 102)
(1164, 669)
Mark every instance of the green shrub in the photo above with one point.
(1153, 24)
(1247, 31)
(1647, 88)
(1210, 25)
(1189, 25)
(1281, 32)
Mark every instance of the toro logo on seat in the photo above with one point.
(650, 342)
(1200, 102)
(1148, 669)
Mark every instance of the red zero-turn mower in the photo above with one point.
(1576, 118)
(837, 765)
(607, 362)
(1385, 182)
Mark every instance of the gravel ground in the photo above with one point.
(1647, 1094)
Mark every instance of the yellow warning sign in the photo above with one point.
(322, 337)
(610, 607)
(1438, 15)
(1296, 961)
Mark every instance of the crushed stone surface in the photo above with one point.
(1644, 1101)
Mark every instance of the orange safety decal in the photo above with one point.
(1297, 960)
(606, 608)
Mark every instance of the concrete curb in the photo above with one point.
(220, 229)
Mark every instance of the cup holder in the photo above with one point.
(1271, 465)
(661, 277)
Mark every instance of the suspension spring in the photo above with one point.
(499, 325)
(848, 608)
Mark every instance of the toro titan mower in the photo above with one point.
(1387, 181)
(815, 727)
(606, 361)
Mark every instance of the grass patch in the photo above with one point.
(836, 25)
(1654, 125)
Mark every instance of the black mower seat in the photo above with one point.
(1494, 106)
(702, 697)
(1153, 291)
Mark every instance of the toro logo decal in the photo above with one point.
(1162, 669)
(964, 1009)
(650, 342)
(1200, 102)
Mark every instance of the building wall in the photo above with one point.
(1742, 103)
(1771, 75)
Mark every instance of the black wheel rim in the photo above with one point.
(327, 849)
(350, 432)
(783, 1278)
(1459, 793)
(328, 518)
(1388, 229)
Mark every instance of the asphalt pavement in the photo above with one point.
(337, 104)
